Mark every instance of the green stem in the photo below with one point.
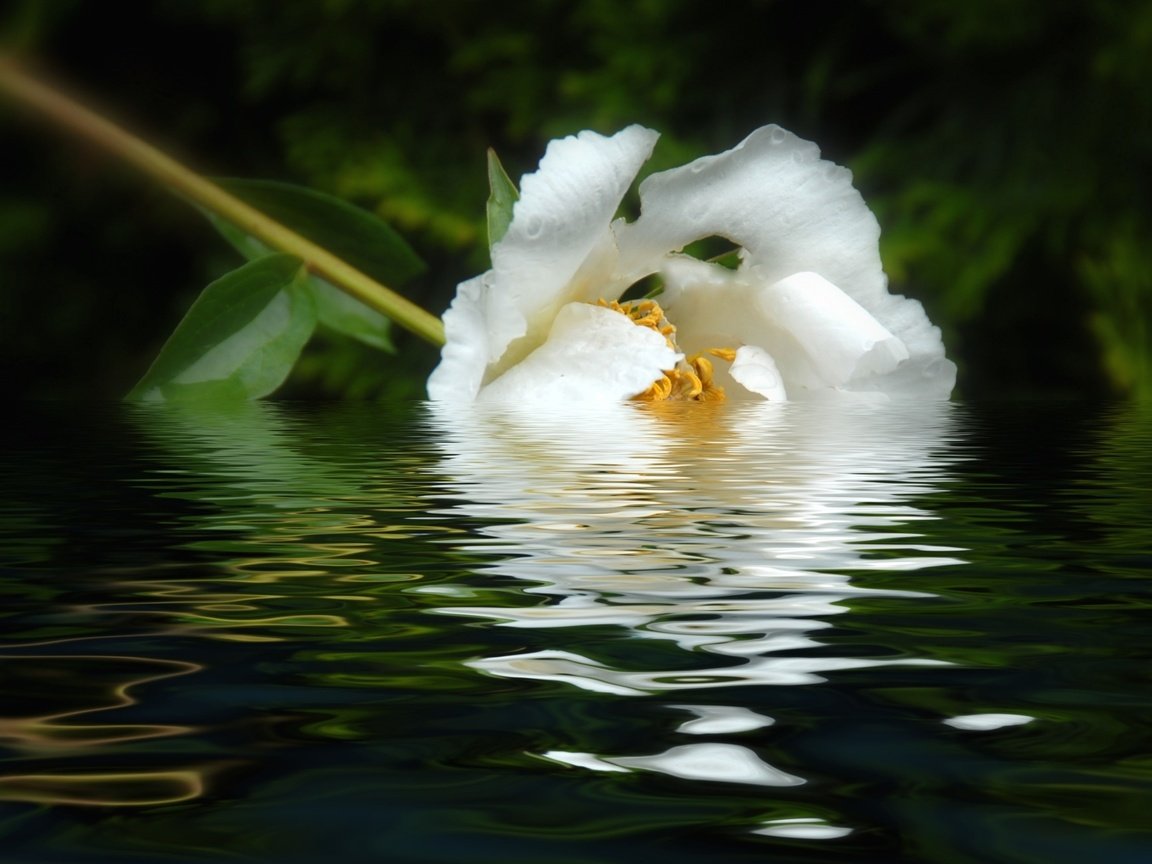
(92, 127)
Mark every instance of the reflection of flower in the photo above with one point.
(690, 555)
(736, 550)
(806, 313)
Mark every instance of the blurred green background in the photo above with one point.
(1005, 145)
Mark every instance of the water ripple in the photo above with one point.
(731, 534)
(724, 633)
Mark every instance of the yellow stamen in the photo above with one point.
(660, 390)
(692, 378)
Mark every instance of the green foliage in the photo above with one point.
(502, 197)
(345, 314)
(358, 237)
(1016, 175)
(240, 339)
(1118, 276)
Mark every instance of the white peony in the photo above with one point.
(806, 314)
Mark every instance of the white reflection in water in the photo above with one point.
(802, 829)
(717, 719)
(729, 530)
(987, 722)
(725, 763)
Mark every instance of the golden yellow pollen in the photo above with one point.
(692, 378)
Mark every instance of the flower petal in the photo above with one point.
(710, 305)
(756, 371)
(793, 212)
(560, 228)
(838, 336)
(817, 336)
(591, 354)
(464, 356)
(774, 196)
(562, 218)
(927, 373)
(809, 307)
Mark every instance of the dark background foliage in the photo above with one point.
(1005, 147)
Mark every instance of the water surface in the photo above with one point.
(722, 633)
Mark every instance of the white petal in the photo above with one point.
(711, 306)
(755, 369)
(591, 354)
(841, 340)
(817, 336)
(774, 196)
(795, 215)
(562, 218)
(926, 374)
(464, 356)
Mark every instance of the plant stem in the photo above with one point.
(92, 127)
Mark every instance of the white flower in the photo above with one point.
(807, 313)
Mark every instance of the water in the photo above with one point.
(286, 633)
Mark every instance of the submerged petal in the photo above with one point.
(756, 371)
(592, 353)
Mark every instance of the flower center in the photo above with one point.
(691, 379)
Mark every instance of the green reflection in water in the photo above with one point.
(387, 622)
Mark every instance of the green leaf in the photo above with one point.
(349, 232)
(345, 314)
(502, 196)
(335, 309)
(242, 241)
(239, 340)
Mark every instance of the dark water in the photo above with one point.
(731, 634)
